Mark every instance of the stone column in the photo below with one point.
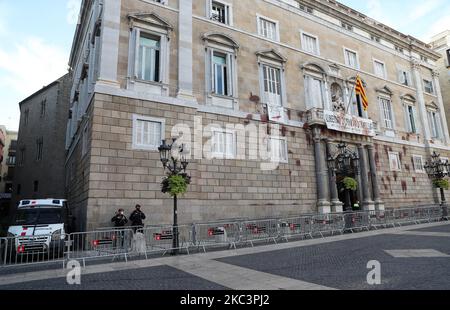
(379, 204)
(336, 204)
(441, 106)
(185, 79)
(323, 203)
(367, 202)
(421, 102)
(109, 54)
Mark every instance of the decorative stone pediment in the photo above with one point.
(271, 55)
(408, 97)
(219, 38)
(312, 66)
(149, 19)
(432, 105)
(385, 90)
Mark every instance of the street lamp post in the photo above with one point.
(174, 166)
(437, 169)
(344, 162)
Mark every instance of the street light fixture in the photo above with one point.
(437, 169)
(174, 166)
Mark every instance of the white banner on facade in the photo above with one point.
(276, 113)
(349, 123)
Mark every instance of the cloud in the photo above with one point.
(30, 65)
(423, 9)
(440, 25)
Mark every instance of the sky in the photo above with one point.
(36, 38)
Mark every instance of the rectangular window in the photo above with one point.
(435, 124)
(351, 59)
(220, 12)
(448, 57)
(36, 186)
(404, 77)
(375, 38)
(26, 116)
(347, 26)
(310, 44)
(418, 164)
(399, 49)
(394, 161)
(277, 148)
(314, 92)
(272, 85)
(21, 157)
(43, 107)
(221, 78)
(39, 149)
(379, 69)
(148, 58)
(411, 119)
(428, 86)
(223, 144)
(268, 29)
(148, 133)
(386, 112)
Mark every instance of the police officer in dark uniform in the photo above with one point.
(137, 218)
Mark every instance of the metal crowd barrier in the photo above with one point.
(327, 223)
(357, 220)
(295, 226)
(128, 241)
(216, 234)
(160, 239)
(259, 230)
(100, 244)
(28, 250)
(404, 216)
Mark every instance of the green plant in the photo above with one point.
(441, 183)
(175, 185)
(350, 183)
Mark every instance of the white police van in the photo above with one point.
(41, 226)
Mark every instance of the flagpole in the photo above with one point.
(351, 94)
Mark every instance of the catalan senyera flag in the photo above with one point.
(359, 88)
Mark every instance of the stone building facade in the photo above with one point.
(40, 171)
(283, 71)
(441, 44)
(7, 169)
(2, 144)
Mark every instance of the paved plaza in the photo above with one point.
(411, 258)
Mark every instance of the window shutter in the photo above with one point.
(439, 131)
(229, 75)
(132, 52)
(308, 92)
(407, 119)
(416, 123)
(136, 52)
(401, 77)
(213, 77)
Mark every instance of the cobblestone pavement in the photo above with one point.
(153, 278)
(343, 264)
(338, 262)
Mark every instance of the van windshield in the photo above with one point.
(39, 216)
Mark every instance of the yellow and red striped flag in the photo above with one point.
(359, 88)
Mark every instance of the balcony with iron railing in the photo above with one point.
(341, 121)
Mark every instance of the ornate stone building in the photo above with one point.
(141, 68)
(441, 44)
(41, 154)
